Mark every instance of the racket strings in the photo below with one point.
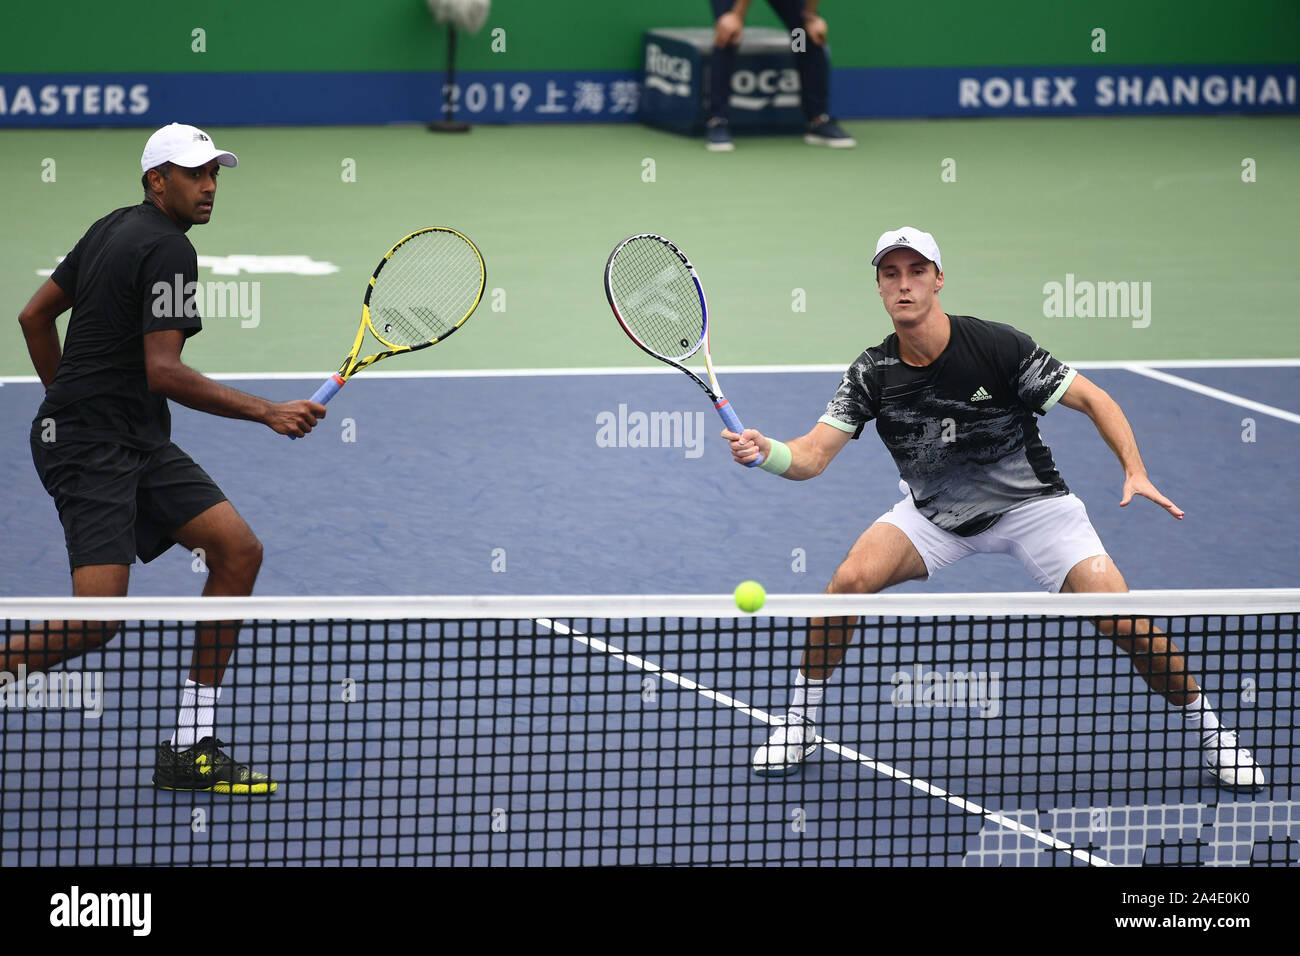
(657, 298)
(427, 287)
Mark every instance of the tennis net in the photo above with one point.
(993, 729)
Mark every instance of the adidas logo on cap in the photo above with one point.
(907, 237)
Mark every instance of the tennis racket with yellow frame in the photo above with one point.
(424, 289)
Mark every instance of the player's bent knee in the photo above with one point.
(857, 577)
(872, 569)
(249, 560)
(846, 580)
(238, 561)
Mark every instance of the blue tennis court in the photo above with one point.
(506, 485)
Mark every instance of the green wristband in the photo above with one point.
(778, 458)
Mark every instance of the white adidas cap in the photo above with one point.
(183, 145)
(908, 237)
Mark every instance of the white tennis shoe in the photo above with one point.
(784, 753)
(1231, 766)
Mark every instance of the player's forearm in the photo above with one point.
(806, 459)
(741, 7)
(1118, 434)
(38, 318)
(43, 347)
(182, 384)
(810, 7)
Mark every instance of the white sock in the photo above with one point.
(1199, 715)
(807, 697)
(198, 715)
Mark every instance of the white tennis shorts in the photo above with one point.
(1049, 536)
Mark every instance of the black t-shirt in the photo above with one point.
(961, 429)
(128, 276)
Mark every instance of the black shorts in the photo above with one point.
(116, 502)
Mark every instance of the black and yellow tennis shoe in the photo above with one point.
(205, 767)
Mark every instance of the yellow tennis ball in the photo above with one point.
(750, 596)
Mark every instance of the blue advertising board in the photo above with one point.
(766, 96)
(1056, 91)
(271, 99)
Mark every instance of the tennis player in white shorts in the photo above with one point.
(954, 399)
(1048, 536)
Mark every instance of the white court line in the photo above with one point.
(1221, 395)
(837, 369)
(929, 789)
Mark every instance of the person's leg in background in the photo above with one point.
(728, 18)
(814, 73)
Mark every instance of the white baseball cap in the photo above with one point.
(908, 237)
(183, 145)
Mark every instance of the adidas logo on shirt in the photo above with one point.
(981, 395)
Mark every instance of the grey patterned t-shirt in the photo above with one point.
(961, 429)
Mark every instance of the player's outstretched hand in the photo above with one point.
(1141, 485)
(748, 446)
(295, 418)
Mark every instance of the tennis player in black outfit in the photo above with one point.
(101, 441)
(954, 400)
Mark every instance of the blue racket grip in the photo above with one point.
(325, 393)
(732, 421)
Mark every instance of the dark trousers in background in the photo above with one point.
(814, 68)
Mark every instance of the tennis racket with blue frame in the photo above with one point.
(424, 289)
(658, 300)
